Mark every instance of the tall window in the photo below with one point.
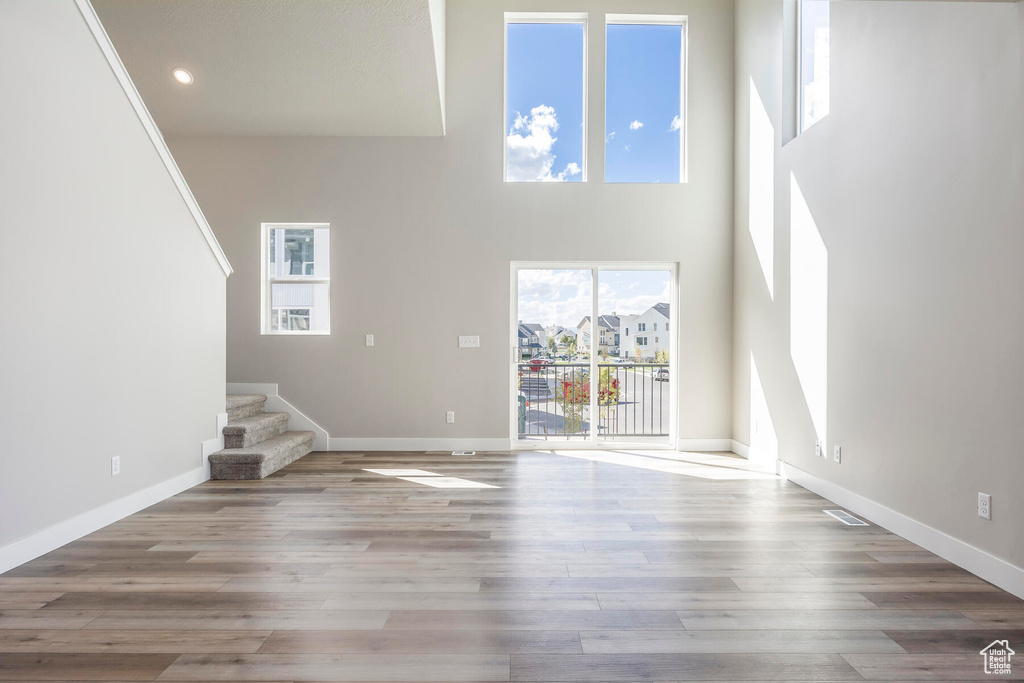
(545, 91)
(645, 116)
(815, 41)
(296, 278)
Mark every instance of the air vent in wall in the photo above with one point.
(463, 452)
(846, 518)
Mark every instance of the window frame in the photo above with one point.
(267, 281)
(799, 50)
(682, 21)
(546, 18)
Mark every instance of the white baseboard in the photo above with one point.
(741, 449)
(20, 552)
(990, 568)
(709, 445)
(418, 445)
(215, 444)
(298, 421)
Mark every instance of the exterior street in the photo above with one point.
(640, 409)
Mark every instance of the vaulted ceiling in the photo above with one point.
(285, 67)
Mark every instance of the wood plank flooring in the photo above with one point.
(659, 567)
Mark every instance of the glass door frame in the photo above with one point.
(593, 441)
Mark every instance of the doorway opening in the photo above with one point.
(593, 355)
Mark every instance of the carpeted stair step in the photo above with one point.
(244, 405)
(256, 462)
(249, 431)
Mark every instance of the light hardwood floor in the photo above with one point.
(578, 567)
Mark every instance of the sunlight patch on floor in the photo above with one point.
(433, 479)
(701, 465)
(448, 483)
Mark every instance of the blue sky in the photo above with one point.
(545, 103)
(642, 96)
(563, 297)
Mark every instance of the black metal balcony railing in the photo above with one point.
(554, 400)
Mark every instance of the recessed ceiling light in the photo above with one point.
(183, 76)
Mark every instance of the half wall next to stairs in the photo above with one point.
(122, 328)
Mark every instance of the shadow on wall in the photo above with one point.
(761, 213)
(808, 286)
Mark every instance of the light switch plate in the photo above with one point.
(369, 340)
(472, 342)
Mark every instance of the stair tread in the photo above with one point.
(234, 401)
(243, 424)
(264, 449)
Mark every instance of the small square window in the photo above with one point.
(296, 278)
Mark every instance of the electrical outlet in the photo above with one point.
(984, 506)
(472, 342)
(817, 449)
(115, 466)
(449, 417)
(837, 454)
(369, 340)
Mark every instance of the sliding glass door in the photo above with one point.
(592, 354)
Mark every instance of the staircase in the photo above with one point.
(256, 443)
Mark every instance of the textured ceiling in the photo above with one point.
(284, 67)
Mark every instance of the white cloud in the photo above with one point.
(563, 297)
(636, 125)
(625, 147)
(550, 297)
(677, 124)
(608, 138)
(529, 144)
(612, 299)
(571, 169)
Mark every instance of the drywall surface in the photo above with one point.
(897, 224)
(424, 231)
(113, 344)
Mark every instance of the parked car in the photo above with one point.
(659, 374)
(622, 361)
(539, 363)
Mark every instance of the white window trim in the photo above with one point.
(595, 267)
(546, 18)
(800, 128)
(267, 282)
(684, 85)
(800, 67)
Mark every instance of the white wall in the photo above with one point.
(913, 183)
(113, 332)
(425, 229)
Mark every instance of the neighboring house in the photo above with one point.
(531, 339)
(607, 330)
(557, 332)
(648, 331)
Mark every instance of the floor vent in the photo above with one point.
(846, 518)
(463, 452)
